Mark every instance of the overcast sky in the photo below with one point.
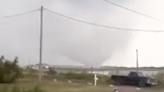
(67, 42)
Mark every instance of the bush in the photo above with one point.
(9, 70)
(78, 77)
(160, 78)
(104, 79)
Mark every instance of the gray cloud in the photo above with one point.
(79, 42)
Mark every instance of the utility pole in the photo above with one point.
(137, 60)
(40, 44)
(29, 61)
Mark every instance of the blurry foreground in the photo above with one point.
(16, 79)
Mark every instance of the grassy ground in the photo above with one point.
(51, 86)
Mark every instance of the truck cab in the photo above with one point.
(137, 78)
(136, 74)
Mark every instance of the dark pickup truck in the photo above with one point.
(133, 78)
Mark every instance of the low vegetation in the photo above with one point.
(15, 79)
(19, 89)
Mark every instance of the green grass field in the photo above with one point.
(51, 86)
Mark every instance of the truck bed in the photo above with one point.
(119, 76)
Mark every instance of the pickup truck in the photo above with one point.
(133, 78)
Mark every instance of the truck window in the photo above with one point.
(133, 74)
(136, 74)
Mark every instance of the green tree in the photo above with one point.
(160, 77)
(9, 70)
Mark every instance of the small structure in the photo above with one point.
(95, 79)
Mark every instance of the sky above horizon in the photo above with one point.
(68, 42)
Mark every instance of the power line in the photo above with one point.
(105, 26)
(142, 14)
(15, 15)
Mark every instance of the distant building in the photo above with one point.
(36, 66)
